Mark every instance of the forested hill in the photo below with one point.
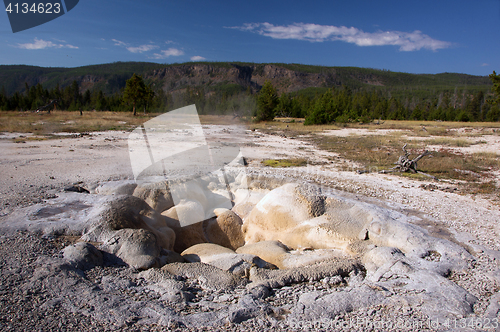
(222, 76)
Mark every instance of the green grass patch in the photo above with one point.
(285, 162)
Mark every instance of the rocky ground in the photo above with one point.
(41, 292)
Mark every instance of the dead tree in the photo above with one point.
(47, 107)
(405, 164)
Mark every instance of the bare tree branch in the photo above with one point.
(405, 164)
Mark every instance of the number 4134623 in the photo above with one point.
(36, 8)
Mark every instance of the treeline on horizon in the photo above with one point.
(316, 105)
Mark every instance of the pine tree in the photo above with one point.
(267, 101)
(135, 91)
(495, 79)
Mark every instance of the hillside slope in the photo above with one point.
(110, 78)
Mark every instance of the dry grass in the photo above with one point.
(449, 142)
(221, 120)
(62, 121)
(431, 127)
(410, 128)
(24, 139)
(474, 171)
(72, 122)
(373, 152)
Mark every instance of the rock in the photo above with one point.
(194, 190)
(273, 252)
(196, 200)
(204, 251)
(259, 292)
(247, 307)
(245, 200)
(493, 310)
(415, 243)
(77, 189)
(316, 272)
(223, 258)
(138, 248)
(83, 255)
(169, 256)
(165, 285)
(299, 258)
(225, 230)
(70, 214)
(155, 194)
(442, 297)
(209, 277)
(281, 214)
(380, 259)
(314, 306)
(124, 187)
(301, 217)
(186, 213)
(129, 212)
(186, 236)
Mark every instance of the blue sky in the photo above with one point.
(409, 36)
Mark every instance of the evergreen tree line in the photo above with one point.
(335, 105)
(69, 98)
(229, 99)
(342, 105)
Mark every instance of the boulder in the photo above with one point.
(83, 255)
(169, 256)
(415, 242)
(225, 230)
(196, 200)
(209, 277)
(186, 236)
(281, 214)
(155, 194)
(245, 200)
(124, 187)
(300, 258)
(166, 286)
(186, 213)
(138, 248)
(341, 269)
(204, 252)
(129, 212)
(273, 252)
(301, 217)
(318, 306)
(223, 258)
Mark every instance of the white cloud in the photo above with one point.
(407, 41)
(149, 47)
(142, 48)
(197, 58)
(485, 64)
(166, 53)
(119, 42)
(40, 44)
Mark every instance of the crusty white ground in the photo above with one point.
(37, 170)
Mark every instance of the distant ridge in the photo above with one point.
(290, 78)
